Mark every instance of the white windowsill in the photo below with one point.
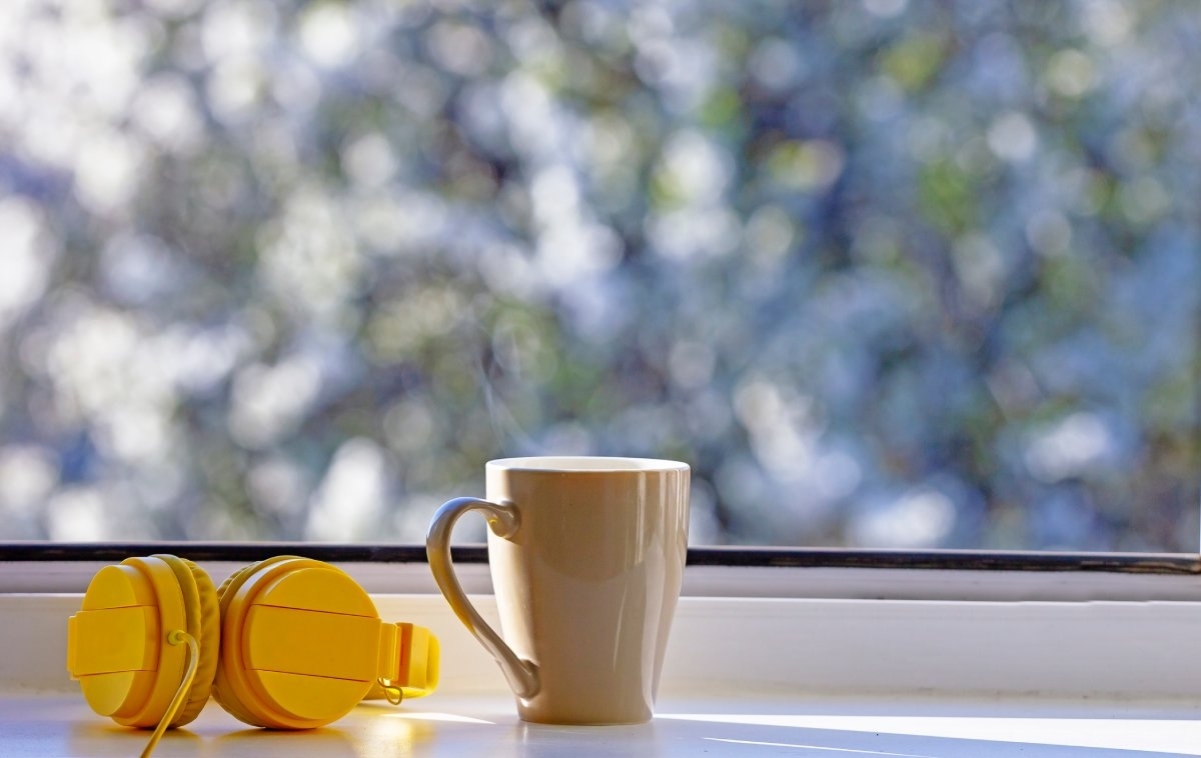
(32, 726)
(935, 677)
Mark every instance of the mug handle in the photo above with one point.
(502, 518)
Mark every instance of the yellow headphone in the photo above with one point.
(285, 643)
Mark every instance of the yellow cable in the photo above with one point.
(176, 637)
(393, 693)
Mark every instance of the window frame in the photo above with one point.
(748, 572)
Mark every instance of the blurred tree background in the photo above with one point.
(886, 273)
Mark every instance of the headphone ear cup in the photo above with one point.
(234, 580)
(300, 644)
(204, 624)
(225, 692)
(117, 644)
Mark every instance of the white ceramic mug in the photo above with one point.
(587, 556)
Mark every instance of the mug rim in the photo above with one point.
(586, 464)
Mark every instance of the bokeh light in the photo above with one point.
(887, 273)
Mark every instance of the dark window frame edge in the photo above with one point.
(1177, 564)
